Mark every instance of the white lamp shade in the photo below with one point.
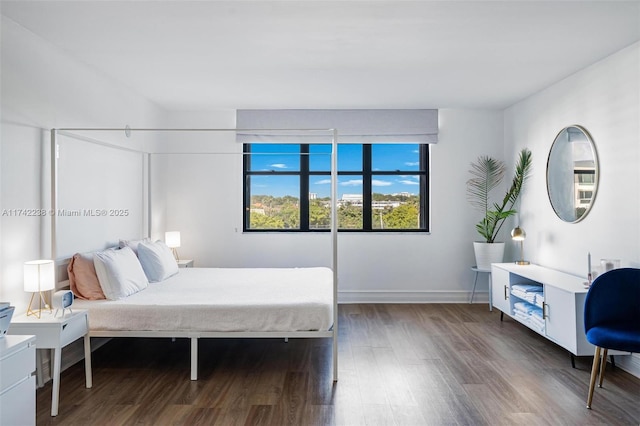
(39, 275)
(172, 239)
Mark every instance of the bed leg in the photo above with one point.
(194, 358)
(335, 354)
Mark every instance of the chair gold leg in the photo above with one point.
(603, 365)
(594, 373)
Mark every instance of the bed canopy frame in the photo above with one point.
(81, 135)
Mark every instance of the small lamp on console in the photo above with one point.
(172, 240)
(39, 277)
(518, 234)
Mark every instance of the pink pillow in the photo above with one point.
(82, 277)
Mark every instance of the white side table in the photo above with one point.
(473, 292)
(56, 332)
(185, 263)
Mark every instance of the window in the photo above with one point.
(381, 187)
(585, 177)
(585, 196)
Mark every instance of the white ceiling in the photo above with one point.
(203, 55)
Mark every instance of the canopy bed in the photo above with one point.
(296, 302)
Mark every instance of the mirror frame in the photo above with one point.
(596, 177)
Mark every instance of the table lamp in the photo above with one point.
(172, 240)
(518, 234)
(39, 277)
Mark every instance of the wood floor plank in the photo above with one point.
(349, 415)
(259, 415)
(435, 406)
(378, 415)
(181, 415)
(399, 336)
(370, 379)
(416, 364)
(393, 378)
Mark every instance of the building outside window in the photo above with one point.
(381, 187)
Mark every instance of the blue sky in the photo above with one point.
(285, 157)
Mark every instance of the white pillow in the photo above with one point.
(119, 273)
(157, 261)
(133, 244)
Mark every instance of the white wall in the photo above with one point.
(201, 196)
(605, 99)
(43, 88)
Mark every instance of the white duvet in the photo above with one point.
(223, 299)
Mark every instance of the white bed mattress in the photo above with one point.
(223, 299)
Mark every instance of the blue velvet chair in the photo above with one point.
(612, 317)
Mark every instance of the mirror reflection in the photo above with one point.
(572, 174)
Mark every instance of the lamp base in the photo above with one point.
(42, 304)
(522, 262)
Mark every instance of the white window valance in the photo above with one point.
(352, 125)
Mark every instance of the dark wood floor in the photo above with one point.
(427, 364)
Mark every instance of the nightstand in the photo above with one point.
(185, 263)
(56, 332)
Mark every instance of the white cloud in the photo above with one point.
(352, 182)
(408, 182)
(323, 182)
(376, 182)
(278, 166)
(414, 163)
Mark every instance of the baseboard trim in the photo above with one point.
(384, 296)
(629, 363)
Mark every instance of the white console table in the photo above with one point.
(563, 307)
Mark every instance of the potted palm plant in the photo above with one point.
(486, 174)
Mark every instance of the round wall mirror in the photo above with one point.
(572, 174)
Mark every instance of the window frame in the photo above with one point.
(367, 174)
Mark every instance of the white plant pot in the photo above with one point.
(488, 253)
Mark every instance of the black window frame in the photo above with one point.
(367, 174)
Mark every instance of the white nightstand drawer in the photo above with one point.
(17, 382)
(73, 330)
(18, 405)
(185, 263)
(17, 367)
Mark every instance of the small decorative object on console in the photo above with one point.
(62, 299)
(518, 234)
(608, 264)
(589, 272)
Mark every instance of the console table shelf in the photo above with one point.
(562, 309)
